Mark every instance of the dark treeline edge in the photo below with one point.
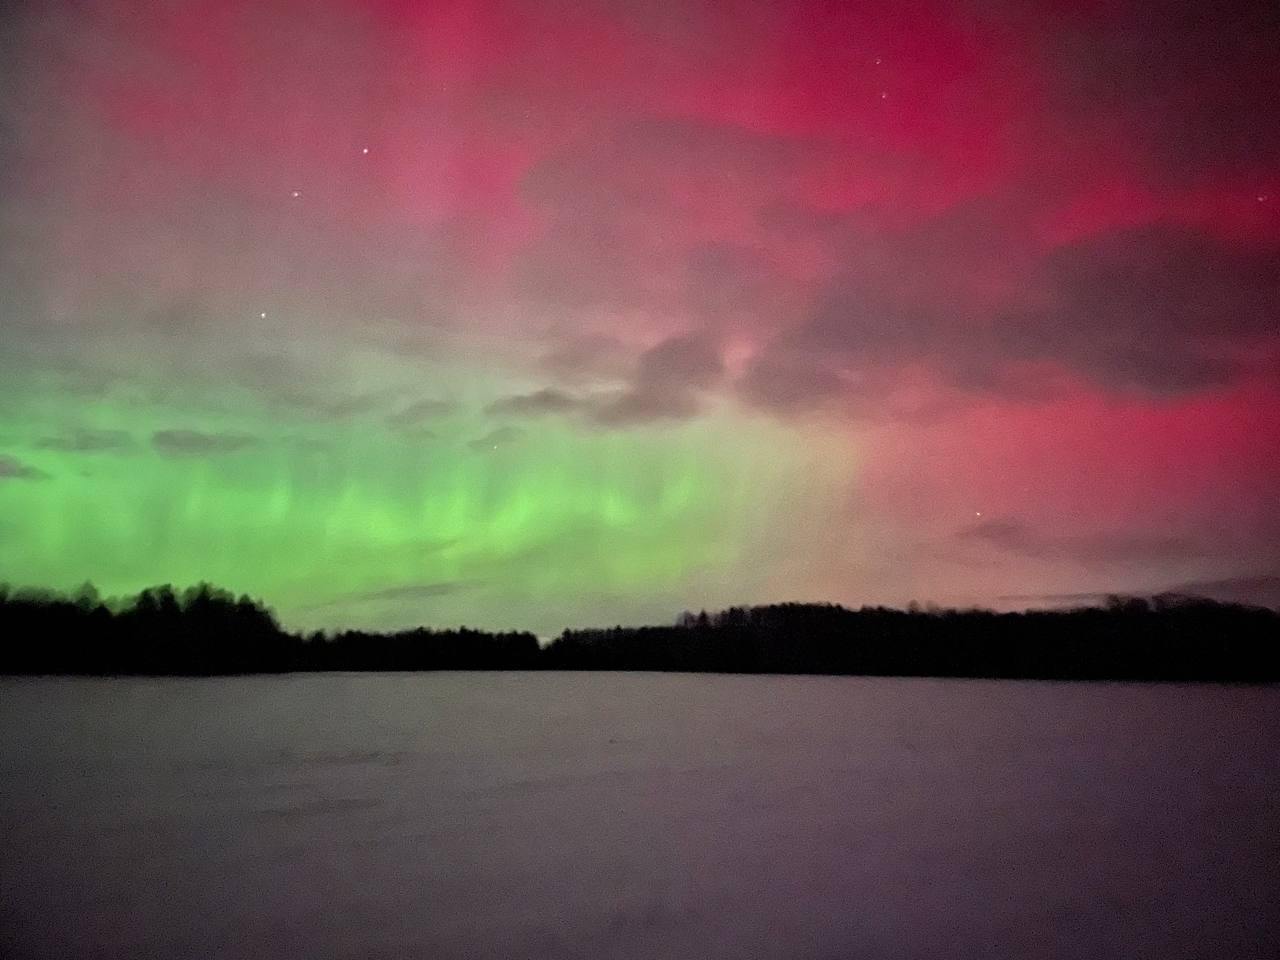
(204, 631)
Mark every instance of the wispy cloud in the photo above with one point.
(194, 443)
(1262, 589)
(1019, 537)
(425, 590)
(88, 441)
(536, 404)
(667, 383)
(11, 468)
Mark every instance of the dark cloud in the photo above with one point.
(539, 403)
(402, 592)
(12, 468)
(669, 381)
(494, 439)
(680, 363)
(88, 441)
(194, 443)
(852, 333)
(1263, 589)
(790, 382)
(854, 319)
(1017, 537)
(1260, 590)
(906, 296)
(1157, 309)
(420, 412)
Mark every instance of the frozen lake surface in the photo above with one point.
(491, 815)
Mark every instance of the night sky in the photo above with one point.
(547, 312)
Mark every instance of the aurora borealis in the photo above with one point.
(535, 313)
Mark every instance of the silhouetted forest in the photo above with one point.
(1132, 638)
(204, 631)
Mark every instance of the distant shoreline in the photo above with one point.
(205, 631)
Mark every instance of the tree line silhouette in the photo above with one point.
(1166, 637)
(206, 631)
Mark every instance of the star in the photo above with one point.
(883, 95)
(263, 315)
(878, 61)
(296, 194)
(364, 150)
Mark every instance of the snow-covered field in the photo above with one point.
(636, 815)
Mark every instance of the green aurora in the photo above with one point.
(360, 513)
